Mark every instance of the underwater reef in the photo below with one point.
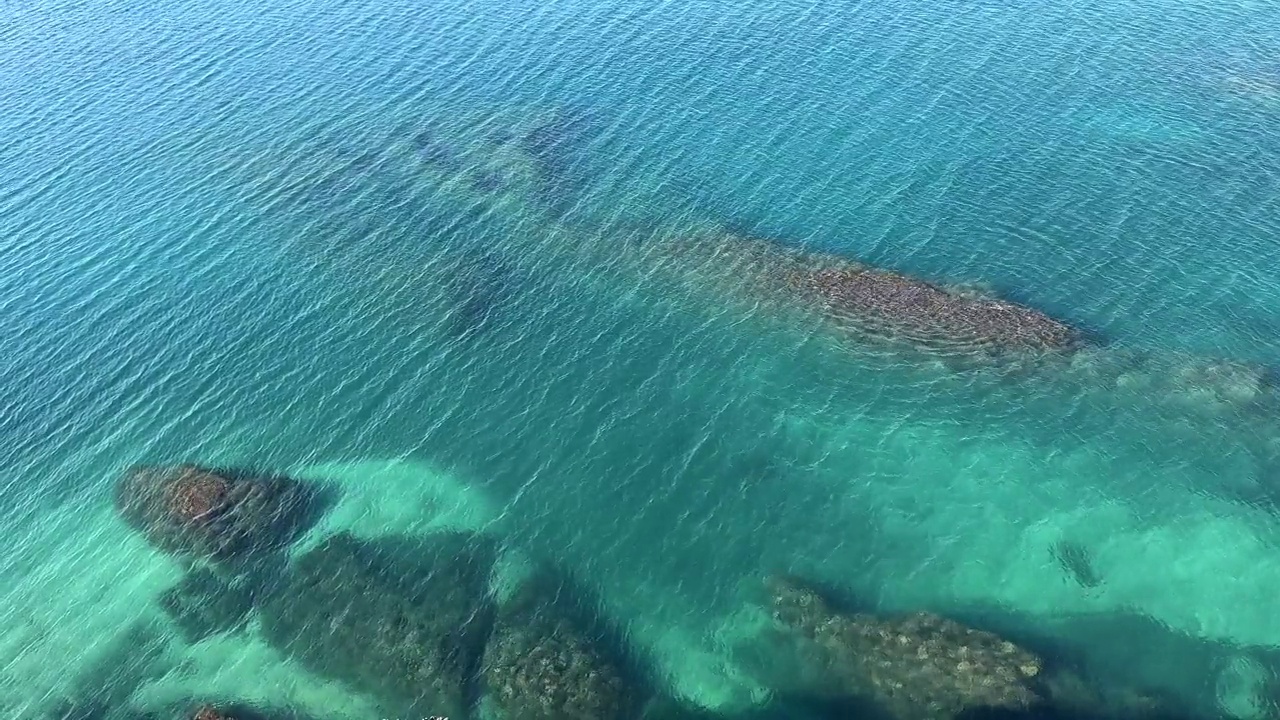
(213, 514)
(921, 310)
(412, 622)
(403, 619)
(922, 666)
(861, 303)
(532, 166)
(869, 301)
(416, 623)
(550, 658)
(918, 667)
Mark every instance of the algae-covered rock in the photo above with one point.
(212, 513)
(869, 302)
(404, 619)
(915, 667)
(549, 659)
(920, 311)
(205, 603)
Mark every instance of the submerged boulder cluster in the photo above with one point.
(404, 621)
(408, 620)
(549, 660)
(413, 622)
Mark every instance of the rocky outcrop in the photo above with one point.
(548, 659)
(400, 618)
(869, 301)
(212, 513)
(915, 667)
(922, 666)
(917, 311)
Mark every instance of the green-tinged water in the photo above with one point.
(532, 272)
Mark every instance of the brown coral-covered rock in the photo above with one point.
(404, 619)
(212, 513)
(545, 661)
(917, 667)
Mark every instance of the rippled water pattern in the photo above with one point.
(428, 252)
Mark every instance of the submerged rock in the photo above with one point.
(916, 310)
(204, 603)
(218, 514)
(916, 667)
(549, 660)
(404, 619)
(868, 300)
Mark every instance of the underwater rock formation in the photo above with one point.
(401, 618)
(213, 513)
(549, 660)
(917, 667)
(874, 301)
(917, 310)
(923, 666)
(204, 603)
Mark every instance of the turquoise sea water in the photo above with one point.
(416, 250)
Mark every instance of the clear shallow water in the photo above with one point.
(225, 241)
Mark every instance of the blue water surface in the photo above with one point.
(297, 233)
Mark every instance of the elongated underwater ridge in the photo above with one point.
(877, 303)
